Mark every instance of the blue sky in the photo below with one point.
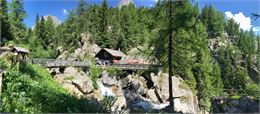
(240, 10)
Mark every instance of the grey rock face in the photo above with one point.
(242, 105)
(124, 3)
(71, 71)
(84, 84)
(186, 102)
(108, 80)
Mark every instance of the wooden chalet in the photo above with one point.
(20, 51)
(110, 55)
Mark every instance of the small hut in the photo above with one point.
(20, 51)
(108, 56)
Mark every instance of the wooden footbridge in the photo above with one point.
(55, 63)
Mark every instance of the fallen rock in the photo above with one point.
(71, 71)
(152, 95)
(186, 102)
(137, 103)
(119, 104)
(108, 80)
(124, 83)
(84, 84)
(138, 83)
(72, 89)
(244, 104)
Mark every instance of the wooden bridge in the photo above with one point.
(55, 63)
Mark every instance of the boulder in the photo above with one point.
(244, 104)
(63, 55)
(138, 83)
(71, 71)
(151, 95)
(54, 71)
(117, 91)
(108, 80)
(59, 77)
(137, 103)
(72, 89)
(84, 84)
(124, 83)
(185, 101)
(119, 104)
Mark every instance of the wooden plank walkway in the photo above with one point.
(132, 66)
(55, 63)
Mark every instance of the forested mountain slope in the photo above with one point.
(210, 53)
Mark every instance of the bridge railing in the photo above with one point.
(59, 63)
(133, 66)
(51, 63)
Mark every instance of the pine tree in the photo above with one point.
(17, 15)
(69, 36)
(82, 19)
(5, 30)
(216, 80)
(115, 34)
(144, 20)
(102, 38)
(129, 26)
(50, 33)
(214, 21)
(36, 27)
(232, 28)
(183, 20)
(41, 33)
(203, 67)
(81, 7)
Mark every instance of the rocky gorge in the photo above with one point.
(135, 92)
(130, 93)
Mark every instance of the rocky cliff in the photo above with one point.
(124, 3)
(132, 92)
(243, 104)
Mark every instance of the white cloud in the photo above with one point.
(65, 12)
(243, 21)
(255, 29)
(155, 1)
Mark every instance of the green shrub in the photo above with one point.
(253, 90)
(94, 74)
(42, 53)
(114, 71)
(107, 102)
(3, 65)
(30, 89)
(68, 78)
(235, 97)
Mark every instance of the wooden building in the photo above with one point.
(109, 56)
(20, 51)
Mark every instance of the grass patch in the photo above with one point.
(69, 78)
(94, 74)
(235, 97)
(31, 89)
(114, 71)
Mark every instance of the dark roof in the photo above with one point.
(19, 49)
(115, 53)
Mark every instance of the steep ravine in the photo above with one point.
(130, 93)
